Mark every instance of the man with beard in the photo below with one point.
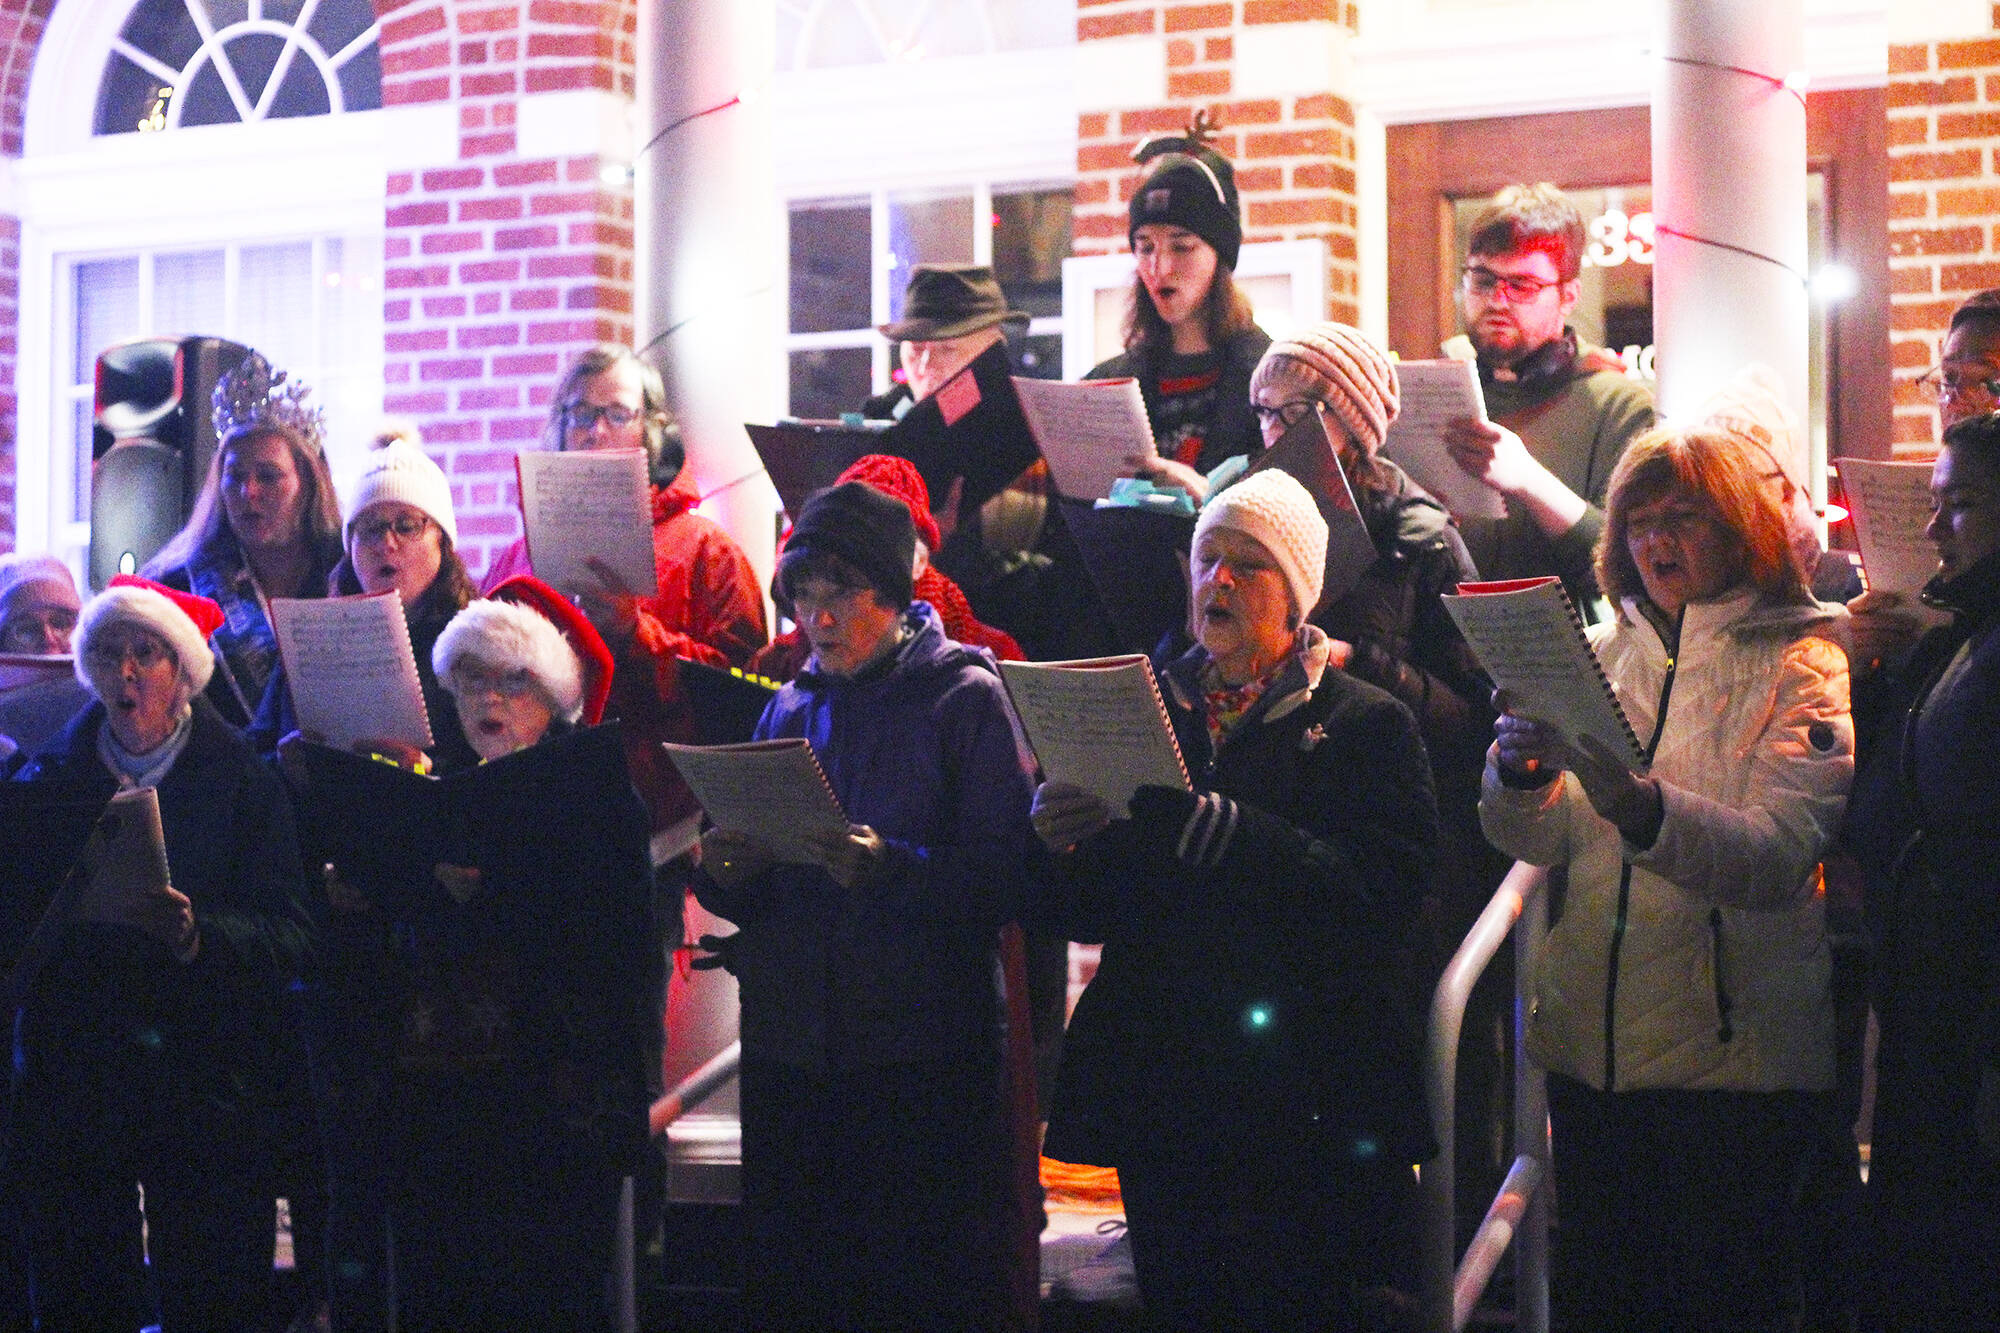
(1561, 410)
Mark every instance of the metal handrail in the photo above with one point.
(695, 1089)
(1520, 1211)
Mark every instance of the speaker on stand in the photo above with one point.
(151, 441)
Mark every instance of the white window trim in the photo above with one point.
(79, 195)
(1304, 262)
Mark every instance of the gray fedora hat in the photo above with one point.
(950, 301)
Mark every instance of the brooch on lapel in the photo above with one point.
(1312, 737)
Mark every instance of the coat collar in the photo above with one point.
(1297, 678)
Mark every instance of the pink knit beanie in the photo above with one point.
(1337, 365)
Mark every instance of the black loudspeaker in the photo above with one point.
(151, 442)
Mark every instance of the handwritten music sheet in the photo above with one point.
(1531, 642)
(1434, 394)
(352, 672)
(1892, 506)
(1097, 724)
(772, 791)
(1092, 432)
(596, 503)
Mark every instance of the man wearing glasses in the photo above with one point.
(1561, 412)
(1967, 382)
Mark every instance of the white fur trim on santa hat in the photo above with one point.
(1271, 507)
(507, 637)
(148, 610)
(400, 471)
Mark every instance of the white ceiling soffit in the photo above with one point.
(1451, 61)
(1011, 115)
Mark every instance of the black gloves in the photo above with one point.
(1197, 826)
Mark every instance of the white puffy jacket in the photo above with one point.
(1708, 963)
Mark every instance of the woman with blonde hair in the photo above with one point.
(1681, 1002)
(266, 524)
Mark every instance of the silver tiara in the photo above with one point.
(254, 397)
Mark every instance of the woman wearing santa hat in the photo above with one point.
(142, 1047)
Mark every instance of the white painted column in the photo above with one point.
(709, 314)
(1729, 165)
(710, 289)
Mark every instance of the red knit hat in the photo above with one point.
(528, 591)
(898, 478)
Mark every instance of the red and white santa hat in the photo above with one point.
(526, 625)
(183, 619)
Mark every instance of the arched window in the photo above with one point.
(220, 62)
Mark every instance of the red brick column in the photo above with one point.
(1294, 154)
(499, 267)
(1944, 203)
(21, 27)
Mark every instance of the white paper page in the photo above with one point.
(1433, 394)
(772, 791)
(125, 861)
(19, 669)
(1087, 431)
(352, 672)
(1098, 727)
(1892, 506)
(595, 503)
(1532, 645)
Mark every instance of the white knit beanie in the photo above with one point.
(398, 470)
(151, 610)
(507, 637)
(1273, 508)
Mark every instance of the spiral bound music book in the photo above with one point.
(351, 669)
(1529, 637)
(1099, 724)
(773, 791)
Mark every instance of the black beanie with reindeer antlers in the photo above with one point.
(1188, 184)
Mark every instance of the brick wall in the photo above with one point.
(1294, 155)
(499, 266)
(21, 27)
(1944, 202)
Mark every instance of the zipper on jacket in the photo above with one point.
(1724, 1030)
(1625, 888)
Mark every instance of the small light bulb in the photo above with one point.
(1796, 81)
(1834, 283)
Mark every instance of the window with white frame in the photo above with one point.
(850, 259)
(261, 216)
(218, 62)
(312, 305)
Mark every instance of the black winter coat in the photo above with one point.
(233, 850)
(1232, 427)
(1257, 1016)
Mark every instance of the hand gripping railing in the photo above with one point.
(1520, 1212)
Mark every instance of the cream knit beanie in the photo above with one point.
(1271, 507)
(1337, 365)
(398, 470)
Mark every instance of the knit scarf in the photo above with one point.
(151, 768)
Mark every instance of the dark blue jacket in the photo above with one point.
(925, 750)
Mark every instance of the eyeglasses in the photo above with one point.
(1940, 385)
(1511, 288)
(583, 417)
(375, 531)
(1287, 415)
(144, 652)
(476, 680)
(1667, 522)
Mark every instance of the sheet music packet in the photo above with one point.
(1307, 454)
(123, 863)
(351, 669)
(1099, 724)
(18, 670)
(1087, 430)
(1529, 637)
(773, 791)
(1433, 394)
(1892, 507)
(590, 503)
